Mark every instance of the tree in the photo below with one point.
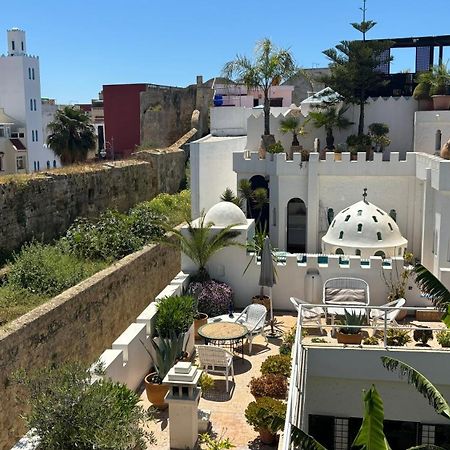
(292, 125)
(229, 196)
(69, 410)
(201, 243)
(354, 68)
(329, 118)
(270, 67)
(71, 135)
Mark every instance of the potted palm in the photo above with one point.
(440, 87)
(378, 133)
(292, 125)
(422, 91)
(350, 332)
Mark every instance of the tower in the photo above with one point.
(20, 96)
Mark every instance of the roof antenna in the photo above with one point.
(365, 196)
(364, 10)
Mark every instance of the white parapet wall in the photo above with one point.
(426, 125)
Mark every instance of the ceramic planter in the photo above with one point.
(266, 436)
(156, 392)
(441, 102)
(202, 319)
(344, 338)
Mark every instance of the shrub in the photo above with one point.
(397, 338)
(370, 340)
(214, 297)
(276, 148)
(175, 207)
(318, 340)
(270, 385)
(145, 224)
(47, 270)
(215, 443)
(175, 315)
(423, 336)
(443, 337)
(67, 410)
(289, 340)
(206, 382)
(277, 365)
(266, 413)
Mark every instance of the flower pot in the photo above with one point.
(426, 104)
(202, 319)
(156, 392)
(344, 338)
(337, 156)
(441, 102)
(266, 436)
(264, 300)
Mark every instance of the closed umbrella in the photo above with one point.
(267, 276)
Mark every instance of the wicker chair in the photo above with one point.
(254, 318)
(216, 359)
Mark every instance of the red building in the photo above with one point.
(121, 104)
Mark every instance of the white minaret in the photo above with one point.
(20, 96)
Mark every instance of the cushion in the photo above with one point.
(345, 296)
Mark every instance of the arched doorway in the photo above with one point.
(260, 211)
(296, 226)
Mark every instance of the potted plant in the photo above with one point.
(443, 337)
(440, 87)
(371, 340)
(422, 336)
(275, 149)
(361, 143)
(200, 319)
(277, 365)
(266, 415)
(270, 385)
(213, 297)
(378, 133)
(397, 338)
(350, 332)
(422, 91)
(291, 124)
(167, 352)
(206, 383)
(338, 152)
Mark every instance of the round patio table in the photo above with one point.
(224, 334)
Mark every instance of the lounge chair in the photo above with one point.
(309, 313)
(391, 314)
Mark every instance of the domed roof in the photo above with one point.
(224, 214)
(364, 225)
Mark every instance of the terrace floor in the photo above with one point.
(227, 410)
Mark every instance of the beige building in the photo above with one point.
(13, 150)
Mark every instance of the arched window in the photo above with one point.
(390, 226)
(374, 218)
(379, 236)
(54, 163)
(48, 164)
(359, 212)
(347, 218)
(341, 234)
(296, 226)
(380, 253)
(360, 225)
(381, 212)
(339, 251)
(358, 252)
(332, 225)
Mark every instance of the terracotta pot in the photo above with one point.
(156, 392)
(337, 156)
(426, 104)
(343, 338)
(202, 320)
(441, 102)
(291, 150)
(266, 436)
(264, 300)
(353, 156)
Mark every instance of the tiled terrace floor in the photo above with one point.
(227, 411)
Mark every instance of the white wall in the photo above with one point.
(211, 163)
(426, 123)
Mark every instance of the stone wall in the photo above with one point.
(44, 206)
(80, 323)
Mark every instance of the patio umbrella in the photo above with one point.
(267, 274)
(322, 98)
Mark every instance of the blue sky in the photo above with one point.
(83, 44)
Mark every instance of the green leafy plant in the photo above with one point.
(68, 410)
(276, 148)
(443, 337)
(270, 385)
(439, 80)
(206, 382)
(422, 336)
(358, 143)
(229, 196)
(47, 270)
(318, 340)
(277, 365)
(245, 192)
(371, 340)
(175, 314)
(288, 341)
(266, 413)
(397, 338)
(378, 133)
(292, 125)
(218, 443)
(352, 322)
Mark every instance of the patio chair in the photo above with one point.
(216, 359)
(309, 313)
(254, 318)
(378, 315)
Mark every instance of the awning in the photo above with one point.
(322, 98)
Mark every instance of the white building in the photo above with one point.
(20, 96)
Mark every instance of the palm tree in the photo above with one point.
(245, 191)
(270, 67)
(260, 200)
(330, 118)
(201, 243)
(291, 125)
(437, 292)
(229, 196)
(71, 135)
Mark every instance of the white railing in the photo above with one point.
(296, 399)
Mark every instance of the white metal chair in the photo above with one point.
(216, 359)
(391, 314)
(309, 313)
(254, 318)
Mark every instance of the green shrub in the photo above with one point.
(175, 207)
(68, 411)
(318, 340)
(397, 338)
(47, 270)
(270, 385)
(277, 365)
(145, 224)
(370, 340)
(443, 337)
(266, 413)
(288, 341)
(175, 314)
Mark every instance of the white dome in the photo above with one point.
(366, 230)
(224, 214)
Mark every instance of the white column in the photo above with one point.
(313, 204)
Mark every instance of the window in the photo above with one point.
(31, 104)
(379, 236)
(380, 253)
(54, 163)
(341, 234)
(38, 166)
(360, 225)
(332, 225)
(48, 164)
(390, 226)
(13, 45)
(381, 212)
(34, 104)
(358, 252)
(34, 166)
(347, 218)
(21, 46)
(339, 251)
(374, 218)
(36, 133)
(359, 212)
(32, 135)
(1, 162)
(20, 162)
(322, 428)
(32, 73)
(29, 73)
